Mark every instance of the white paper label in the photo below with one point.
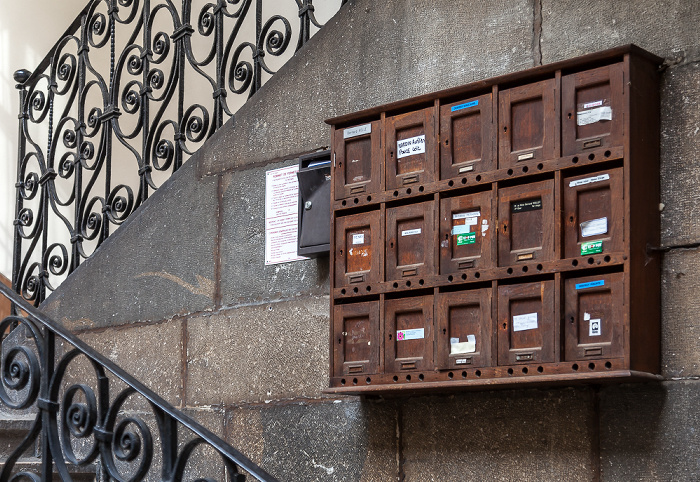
(410, 146)
(594, 327)
(594, 115)
(594, 227)
(590, 105)
(461, 361)
(411, 232)
(358, 238)
(462, 229)
(525, 322)
(586, 316)
(281, 215)
(457, 347)
(472, 214)
(412, 334)
(588, 180)
(357, 131)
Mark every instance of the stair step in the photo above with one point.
(78, 474)
(12, 433)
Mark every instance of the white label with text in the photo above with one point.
(358, 238)
(410, 146)
(411, 232)
(524, 322)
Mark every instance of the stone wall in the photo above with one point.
(181, 298)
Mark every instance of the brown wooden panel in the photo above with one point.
(526, 323)
(356, 338)
(409, 334)
(405, 163)
(461, 315)
(594, 319)
(358, 246)
(410, 241)
(593, 212)
(527, 123)
(466, 232)
(526, 223)
(592, 109)
(467, 137)
(358, 160)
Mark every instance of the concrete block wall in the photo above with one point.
(180, 295)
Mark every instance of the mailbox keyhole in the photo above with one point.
(340, 164)
(341, 252)
(569, 115)
(391, 154)
(446, 236)
(444, 331)
(390, 336)
(505, 228)
(504, 326)
(571, 219)
(447, 142)
(571, 319)
(505, 128)
(340, 341)
(392, 244)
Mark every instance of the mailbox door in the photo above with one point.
(410, 149)
(358, 160)
(466, 133)
(593, 207)
(409, 334)
(526, 323)
(356, 338)
(594, 318)
(410, 241)
(527, 123)
(357, 249)
(466, 232)
(526, 223)
(592, 109)
(464, 329)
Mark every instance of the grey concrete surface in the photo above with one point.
(349, 441)
(158, 264)
(680, 154)
(571, 28)
(369, 54)
(503, 435)
(257, 353)
(680, 345)
(650, 432)
(244, 276)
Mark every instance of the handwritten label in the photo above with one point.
(412, 334)
(357, 131)
(411, 232)
(590, 284)
(467, 105)
(594, 227)
(588, 180)
(525, 322)
(410, 146)
(358, 238)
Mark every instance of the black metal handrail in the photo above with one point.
(73, 412)
(131, 90)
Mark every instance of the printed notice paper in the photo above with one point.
(525, 322)
(281, 215)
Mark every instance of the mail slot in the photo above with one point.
(526, 223)
(527, 123)
(410, 238)
(356, 338)
(410, 149)
(358, 249)
(526, 323)
(466, 232)
(593, 213)
(358, 160)
(466, 134)
(594, 320)
(314, 233)
(592, 109)
(409, 334)
(464, 329)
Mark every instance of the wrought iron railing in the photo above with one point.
(131, 90)
(79, 421)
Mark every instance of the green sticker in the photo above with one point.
(468, 238)
(592, 247)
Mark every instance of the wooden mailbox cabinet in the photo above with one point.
(498, 233)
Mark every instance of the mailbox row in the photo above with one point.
(454, 330)
(481, 230)
(527, 123)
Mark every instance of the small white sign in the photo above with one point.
(594, 327)
(281, 215)
(525, 322)
(462, 229)
(588, 180)
(590, 105)
(411, 232)
(358, 238)
(412, 334)
(410, 146)
(357, 131)
(594, 227)
(471, 214)
(598, 114)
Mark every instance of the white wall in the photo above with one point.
(27, 31)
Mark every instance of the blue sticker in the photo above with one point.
(464, 106)
(590, 284)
